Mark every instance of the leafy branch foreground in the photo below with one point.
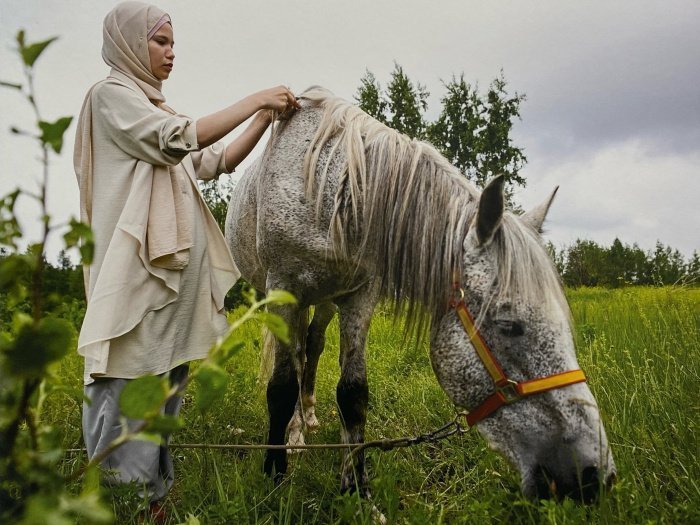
(32, 487)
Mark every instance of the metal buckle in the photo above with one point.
(457, 295)
(509, 392)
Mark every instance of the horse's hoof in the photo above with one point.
(275, 464)
(295, 438)
(312, 423)
(349, 484)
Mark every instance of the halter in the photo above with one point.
(507, 390)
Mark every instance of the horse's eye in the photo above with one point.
(509, 328)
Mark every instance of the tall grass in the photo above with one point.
(638, 346)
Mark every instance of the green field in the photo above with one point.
(639, 347)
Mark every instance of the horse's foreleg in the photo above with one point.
(352, 391)
(282, 392)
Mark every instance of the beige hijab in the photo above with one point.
(125, 48)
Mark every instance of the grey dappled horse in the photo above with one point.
(342, 211)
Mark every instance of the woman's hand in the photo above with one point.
(278, 99)
(215, 126)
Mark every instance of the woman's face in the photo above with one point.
(160, 50)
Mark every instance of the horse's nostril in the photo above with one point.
(545, 486)
(610, 481)
(590, 484)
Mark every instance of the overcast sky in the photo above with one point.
(612, 114)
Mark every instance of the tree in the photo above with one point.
(692, 270)
(216, 194)
(584, 262)
(406, 103)
(369, 97)
(473, 131)
(401, 106)
(666, 266)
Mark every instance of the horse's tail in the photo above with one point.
(267, 352)
(267, 356)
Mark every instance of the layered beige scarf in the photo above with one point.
(125, 48)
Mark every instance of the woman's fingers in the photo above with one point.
(280, 99)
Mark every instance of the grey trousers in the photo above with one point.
(143, 463)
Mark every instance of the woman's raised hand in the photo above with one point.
(278, 99)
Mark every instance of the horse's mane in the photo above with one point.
(412, 210)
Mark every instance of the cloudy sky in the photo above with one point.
(612, 114)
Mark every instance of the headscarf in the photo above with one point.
(126, 31)
(125, 48)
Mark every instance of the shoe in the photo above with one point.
(155, 514)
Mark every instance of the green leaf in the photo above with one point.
(52, 132)
(32, 51)
(14, 271)
(248, 294)
(9, 227)
(212, 381)
(228, 348)
(10, 85)
(275, 324)
(87, 506)
(80, 235)
(147, 436)
(191, 519)
(280, 297)
(143, 397)
(37, 346)
(165, 424)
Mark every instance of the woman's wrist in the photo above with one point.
(264, 117)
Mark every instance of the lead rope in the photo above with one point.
(448, 429)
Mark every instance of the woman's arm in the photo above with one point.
(239, 149)
(215, 126)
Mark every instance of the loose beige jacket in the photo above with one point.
(129, 136)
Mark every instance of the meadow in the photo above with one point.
(639, 347)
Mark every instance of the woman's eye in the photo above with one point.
(510, 328)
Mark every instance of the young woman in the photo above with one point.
(161, 267)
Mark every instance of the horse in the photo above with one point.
(343, 211)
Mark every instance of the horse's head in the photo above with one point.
(554, 438)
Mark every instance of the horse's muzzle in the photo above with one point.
(584, 486)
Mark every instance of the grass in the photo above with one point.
(639, 347)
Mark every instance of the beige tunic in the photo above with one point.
(141, 318)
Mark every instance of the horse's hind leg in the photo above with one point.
(283, 390)
(315, 341)
(315, 338)
(352, 390)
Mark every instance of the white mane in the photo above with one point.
(413, 210)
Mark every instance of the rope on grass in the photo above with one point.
(443, 432)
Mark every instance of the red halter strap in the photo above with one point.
(507, 390)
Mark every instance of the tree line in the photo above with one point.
(473, 131)
(584, 263)
(587, 263)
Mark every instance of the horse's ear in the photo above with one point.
(491, 206)
(535, 217)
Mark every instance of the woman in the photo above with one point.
(161, 267)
